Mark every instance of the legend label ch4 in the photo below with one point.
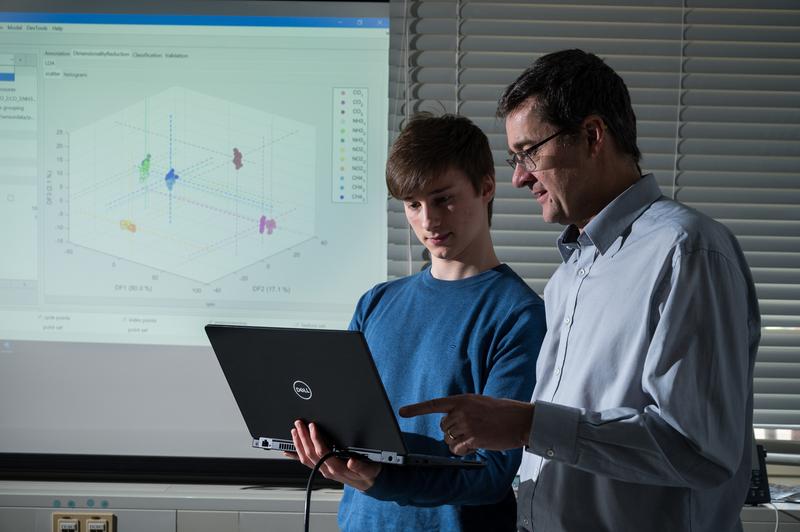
(349, 164)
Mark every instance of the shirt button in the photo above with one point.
(581, 272)
(568, 320)
(558, 371)
(550, 453)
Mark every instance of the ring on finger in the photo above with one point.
(450, 434)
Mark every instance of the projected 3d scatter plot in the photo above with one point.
(192, 184)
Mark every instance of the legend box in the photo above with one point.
(349, 164)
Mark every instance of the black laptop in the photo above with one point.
(278, 375)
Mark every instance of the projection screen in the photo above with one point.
(164, 165)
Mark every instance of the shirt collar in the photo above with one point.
(613, 220)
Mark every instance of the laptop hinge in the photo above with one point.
(385, 457)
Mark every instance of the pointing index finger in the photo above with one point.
(441, 405)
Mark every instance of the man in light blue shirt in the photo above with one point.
(641, 418)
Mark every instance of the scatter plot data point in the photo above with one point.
(170, 179)
(144, 168)
(231, 175)
(267, 224)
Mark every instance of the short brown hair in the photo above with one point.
(429, 146)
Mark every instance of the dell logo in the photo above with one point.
(302, 390)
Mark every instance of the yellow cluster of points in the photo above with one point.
(127, 225)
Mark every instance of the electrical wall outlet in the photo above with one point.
(66, 523)
(84, 522)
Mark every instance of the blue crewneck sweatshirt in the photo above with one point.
(432, 338)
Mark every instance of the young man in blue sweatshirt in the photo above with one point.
(466, 324)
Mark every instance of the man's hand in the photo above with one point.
(478, 421)
(360, 474)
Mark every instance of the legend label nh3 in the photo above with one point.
(349, 160)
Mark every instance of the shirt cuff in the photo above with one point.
(554, 432)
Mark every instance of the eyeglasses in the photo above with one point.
(525, 157)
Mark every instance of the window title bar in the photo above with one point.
(194, 20)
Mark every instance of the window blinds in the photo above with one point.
(715, 85)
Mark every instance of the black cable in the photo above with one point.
(331, 454)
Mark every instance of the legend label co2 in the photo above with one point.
(349, 165)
